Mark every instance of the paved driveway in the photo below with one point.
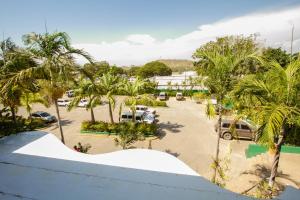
(185, 132)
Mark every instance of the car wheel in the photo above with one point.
(227, 136)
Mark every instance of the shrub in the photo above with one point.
(146, 100)
(8, 126)
(128, 134)
(118, 128)
(82, 148)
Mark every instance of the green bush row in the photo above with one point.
(172, 93)
(146, 100)
(8, 126)
(116, 128)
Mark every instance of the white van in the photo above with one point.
(127, 117)
(63, 102)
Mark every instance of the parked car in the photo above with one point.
(83, 103)
(145, 109)
(63, 102)
(162, 96)
(179, 96)
(149, 119)
(70, 93)
(44, 116)
(237, 129)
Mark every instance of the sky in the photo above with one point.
(133, 32)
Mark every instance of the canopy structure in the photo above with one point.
(36, 165)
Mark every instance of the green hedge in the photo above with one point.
(147, 100)
(100, 127)
(8, 126)
(172, 93)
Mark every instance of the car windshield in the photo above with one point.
(45, 114)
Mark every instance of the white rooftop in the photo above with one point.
(36, 165)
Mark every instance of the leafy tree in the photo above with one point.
(281, 56)
(229, 45)
(117, 70)
(272, 100)
(86, 89)
(133, 71)
(220, 62)
(96, 68)
(154, 68)
(110, 85)
(100, 68)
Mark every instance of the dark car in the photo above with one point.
(44, 116)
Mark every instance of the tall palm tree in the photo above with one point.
(219, 73)
(11, 97)
(54, 54)
(110, 84)
(272, 100)
(87, 89)
(132, 89)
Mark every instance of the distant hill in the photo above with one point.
(178, 65)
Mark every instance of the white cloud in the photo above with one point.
(273, 28)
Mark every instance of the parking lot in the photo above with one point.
(185, 132)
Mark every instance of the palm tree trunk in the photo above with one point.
(276, 159)
(110, 113)
(59, 123)
(13, 113)
(216, 161)
(92, 115)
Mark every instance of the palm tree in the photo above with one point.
(220, 67)
(110, 86)
(56, 65)
(28, 98)
(132, 89)
(169, 84)
(91, 91)
(272, 100)
(11, 97)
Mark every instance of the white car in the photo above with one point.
(63, 102)
(162, 96)
(145, 109)
(83, 103)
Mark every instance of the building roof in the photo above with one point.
(36, 165)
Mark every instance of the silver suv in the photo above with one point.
(237, 129)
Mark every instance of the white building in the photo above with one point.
(180, 81)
